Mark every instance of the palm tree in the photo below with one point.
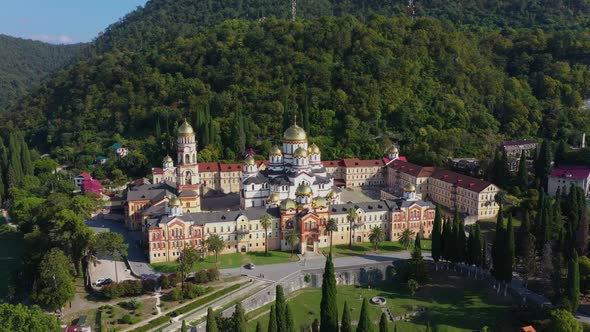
(406, 238)
(351, 216)
(376, 236)
(331, 227)
(266, 222)
(215, 243)
(292, 238)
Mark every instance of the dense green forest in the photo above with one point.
(162, 20)
(440, 90)
(26, 63)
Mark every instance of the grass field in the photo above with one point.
(233, 260)
(11, 247)
(365, 248)
(453, 304)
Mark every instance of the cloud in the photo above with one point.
(54, 39)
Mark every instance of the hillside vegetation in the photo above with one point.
(25, 63)
(442, 91)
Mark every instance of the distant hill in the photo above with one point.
(25, 63)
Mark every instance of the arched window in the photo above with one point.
(188, 177)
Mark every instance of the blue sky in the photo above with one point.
(61, 21)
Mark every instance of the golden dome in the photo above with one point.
(276, 151)
(175, 201)
(249, 161)
(313, 149)
(330, 194)
(319, 202)
(168, 159)
(393, 149)
(409, 188)
(274, 197)
(303, 190)
(300, 152)
(295, 133)
(288, 204)
(185, 129)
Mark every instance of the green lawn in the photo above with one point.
(366, 248)
(453, 304)
(233, 260)
(11, 247)
(488, 227)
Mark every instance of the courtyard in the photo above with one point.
(451, 303)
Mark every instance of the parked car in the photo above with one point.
(103, 282)
(250, 266)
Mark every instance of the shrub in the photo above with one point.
(124, 288)
(127, 319)
(307, 278)
(134, 304)
(164, 281)
(202, 277)
(149, 285)
(175, 294)
(213, 274)
(191, 291)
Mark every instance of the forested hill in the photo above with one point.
(25, 63)
(442, 91)
(163, 20)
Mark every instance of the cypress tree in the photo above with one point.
(183, 326)
(477, 246)
(345, 326)
(272, 321)
(211, 321)
(522, 176)
(573, 282)
(383, 323)
(560, 152)
(289, 319)
(461, 242)
(444, 240)
(365, 323)
(329, 312)
(471, 254)
(239, 318)
(417, 245)
(484, 253)
(523, 232)
(436, 235)
(508, 254)
(582, 234)
(573, 208)
(497, 247)
(542, 164)
(258, 327)
(26, 158)
(281, 315)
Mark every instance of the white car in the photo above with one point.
(250, 266)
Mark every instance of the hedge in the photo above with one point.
(163, 319)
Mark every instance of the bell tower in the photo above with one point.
(187, 171)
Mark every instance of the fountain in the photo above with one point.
(378, 300)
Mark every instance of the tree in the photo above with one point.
(527, 261)
(272, 321)
(215, 244)
(365, 324)
(351, 216)
(258, 327)
(436, 250)
(376, 236)
(20, 318)
(573, 283)
(460, 240)
(187, 259)
(563, 321)
(211, 321)
(508, 255)
(111, 244)
(55, 284)
(584, 263)
(331, 227)
(498, 246)
(345, 326)
(522, 175)
(523, 233)
(183, 326)
(239, 318)
(329, 312)
(582, 233)
(412, 286)
(473, 246)
(542, 164)
(266, 222)
(383, 323)
(560, 152)
(406, 238)
(289, 321)
(292, 238)
(280, 308)
(447, 240)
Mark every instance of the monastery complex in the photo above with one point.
(296, 191)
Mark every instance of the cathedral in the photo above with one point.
(294, 172)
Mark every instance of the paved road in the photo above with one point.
(276, 272)
(137, 261)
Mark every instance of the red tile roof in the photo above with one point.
(157, 170)
(230, 167)
(571, 172)
(411, 169)
(355, 162)
(528, 328)
(208, 167)
(332, 163)
(460, 180)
